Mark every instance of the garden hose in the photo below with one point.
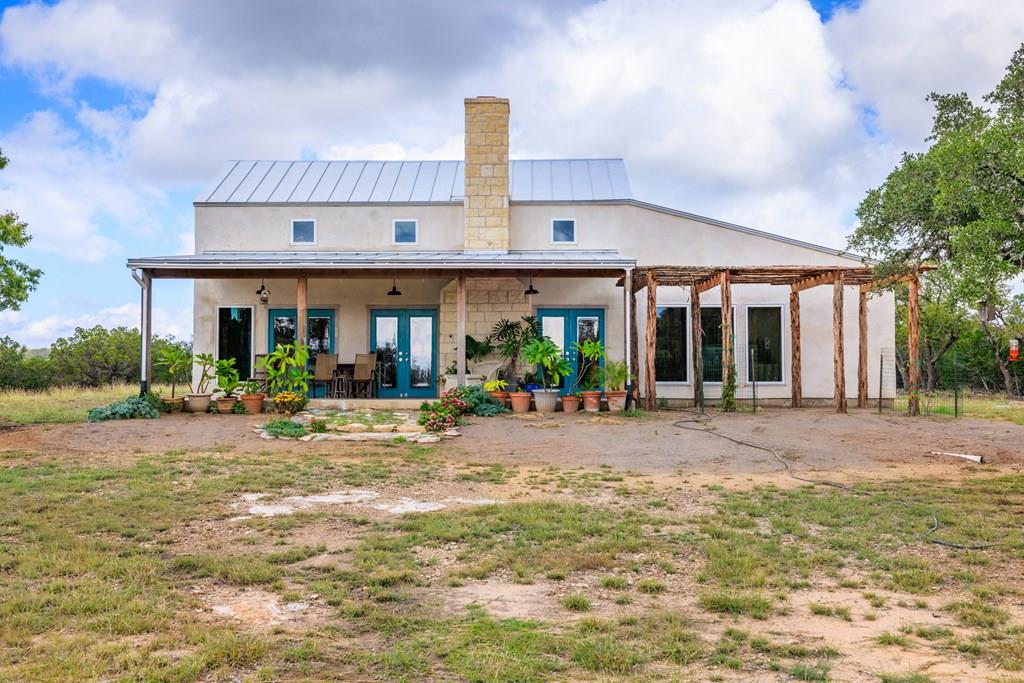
(703, 418)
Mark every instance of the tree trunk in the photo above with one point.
(1004, 367)
(930, 375)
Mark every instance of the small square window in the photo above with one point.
(304, 232)
(405, 232)
(563, 230)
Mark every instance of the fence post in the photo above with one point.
(956, 386)
(881, 378)
(753, 375)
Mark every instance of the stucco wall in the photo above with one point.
(651, 237)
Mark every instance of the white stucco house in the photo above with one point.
(470, 242)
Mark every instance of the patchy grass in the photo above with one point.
(65, 404)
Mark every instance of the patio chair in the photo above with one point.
(363, 374)
(323, 372)
(486, 370)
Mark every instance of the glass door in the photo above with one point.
(403, 339)
(319, 330)
(565, 326)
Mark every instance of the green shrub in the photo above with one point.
(283, 427)
(128, 409)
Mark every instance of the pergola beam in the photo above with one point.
(862, 349)
(814, 281)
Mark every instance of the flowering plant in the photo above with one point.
(289, 402)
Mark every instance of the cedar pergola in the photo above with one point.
(700, 279)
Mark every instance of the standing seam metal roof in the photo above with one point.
(372, 182)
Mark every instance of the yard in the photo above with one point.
(573, 547)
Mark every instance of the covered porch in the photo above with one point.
(345, 303)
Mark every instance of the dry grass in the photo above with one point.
(66, 404)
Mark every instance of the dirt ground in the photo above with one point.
(859, 446)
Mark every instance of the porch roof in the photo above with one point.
(228, 264)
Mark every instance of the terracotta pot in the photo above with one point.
(570, 404)
(174, 404)
(616, 400)
(546, 400)
(198, 403)
(500, 396)
(226, 404)
(591, 401)
(253, 402)
(520, 401)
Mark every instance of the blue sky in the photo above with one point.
(773, 113)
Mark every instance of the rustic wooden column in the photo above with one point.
(460, 330)
(914, 344)
(862, 350)
(697, 339)
(795, 377)
(837, 340)
(301, 334)
(652, 336)
(725, 283)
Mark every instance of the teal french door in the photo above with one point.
(319, 330)
(565, 326)
(404, 340)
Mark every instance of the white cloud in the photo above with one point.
(42, 331)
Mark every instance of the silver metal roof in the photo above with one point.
(405, 182)
(391, 260)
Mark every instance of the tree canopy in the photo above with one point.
(17, 279)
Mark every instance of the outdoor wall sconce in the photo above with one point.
(263, 293)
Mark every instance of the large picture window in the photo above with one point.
(234, 337)
(671, 361)
(764, 339)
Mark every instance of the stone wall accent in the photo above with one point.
(487, 186)
(488, 300)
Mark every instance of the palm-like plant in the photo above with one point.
(549, 359)
(511, 337)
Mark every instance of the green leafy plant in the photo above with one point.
(239, 409)
(284, 427)
(728, 400)
(227, 376)
(478, 349)
(614, 375)
(177, 360)
(548, 358)
(153, 398)
(510, 338)
(593, 353)
(318, 426)
(496, 385)
(287, 368)
(205, 373)
(250, 386)
(135, 407)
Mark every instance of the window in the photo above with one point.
(563, 230)
(711, 341)
(671, 361)
(405, 232)
(764, 339)
(234, 337)
(304, 231)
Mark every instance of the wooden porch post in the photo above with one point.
(634, 342)
(913, 344)
(460, 330)
(627, 332)
(652, 335)
(862, 350)
(697, 339)
(796, 379)
(301, 335)
(725, 282)
(837, 340)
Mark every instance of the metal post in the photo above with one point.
(956, 388)
(627, 289)
(753, 375)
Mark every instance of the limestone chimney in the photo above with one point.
(486, 194)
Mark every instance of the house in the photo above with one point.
(409, 256)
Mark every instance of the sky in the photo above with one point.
(776, 114)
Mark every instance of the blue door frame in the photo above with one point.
(563, 326)
(311, 313)
(405, 340)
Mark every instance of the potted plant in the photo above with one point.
(615, 374)
(252, 397)
(288, 377)
(593, 353)
(227, 382)
(497, 389)
(509, 338)
(203, 374)
(520, 400)
(178, 361)
(551, 365)
(571, 403)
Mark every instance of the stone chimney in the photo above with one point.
(486, 194)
